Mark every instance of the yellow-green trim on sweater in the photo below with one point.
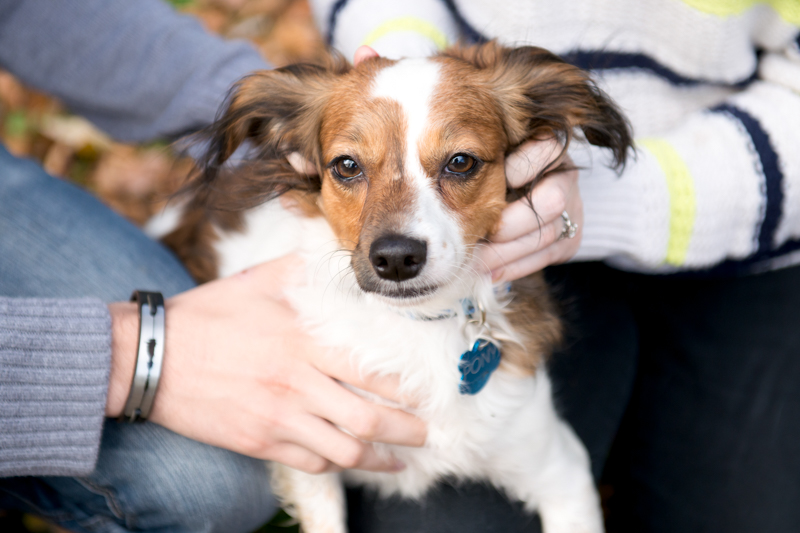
(682, 200)
(408, 24)
(789, 10)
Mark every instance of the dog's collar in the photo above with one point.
(469, 307)
(476, 364)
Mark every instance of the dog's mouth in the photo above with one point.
(403, 294)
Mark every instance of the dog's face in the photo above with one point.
(410, 155)
(412, 172)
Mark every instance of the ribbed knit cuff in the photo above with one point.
(54, 368)
(626, 217)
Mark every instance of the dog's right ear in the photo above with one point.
(270, 114)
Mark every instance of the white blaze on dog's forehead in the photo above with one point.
(412, 83)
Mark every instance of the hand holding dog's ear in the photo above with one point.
(543, 98)
(239, 373)
(527, 239)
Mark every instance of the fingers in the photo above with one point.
(301, 165)
(363, 419)
(337, 365)
(523, 231)
(525, 244)
(497, 255)
(527, 239)
(553, 254)
(300, 458)
(363, 52)
(529, 160)
(509, 261)
(548, 198)
(324, 440)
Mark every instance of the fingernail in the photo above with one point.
(497, 275)
(398, 466)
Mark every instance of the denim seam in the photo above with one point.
(112, 501)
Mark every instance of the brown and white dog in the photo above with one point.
(409, 158)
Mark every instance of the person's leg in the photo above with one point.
(150, 479)
(592, 378)
(58, 241)
(712, 439)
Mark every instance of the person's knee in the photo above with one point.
(162, 481)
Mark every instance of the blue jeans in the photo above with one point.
(58, 241)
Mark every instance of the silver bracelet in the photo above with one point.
(149, 356)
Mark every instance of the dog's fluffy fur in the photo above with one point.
(401, 124)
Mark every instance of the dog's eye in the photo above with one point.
(345, 168)
(460, 164)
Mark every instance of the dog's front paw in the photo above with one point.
(572, 516)
(316, 501)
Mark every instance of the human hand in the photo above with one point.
(363, 52)
(524, 243)
(239, 373)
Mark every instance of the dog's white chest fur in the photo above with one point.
(508, 433)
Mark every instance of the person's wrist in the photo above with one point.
(124, 338)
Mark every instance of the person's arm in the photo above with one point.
(239, 373)
(54, 367)
(722, 186)
(138, 70)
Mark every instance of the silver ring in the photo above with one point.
(570, 228)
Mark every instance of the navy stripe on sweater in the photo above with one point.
(773, 177)
(742, 267)
(602, 60)
(588, 60)
(469, 33)
(332, 17)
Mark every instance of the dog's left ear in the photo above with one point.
(274, 116)
(542, 96)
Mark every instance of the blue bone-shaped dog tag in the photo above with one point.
(477, 365)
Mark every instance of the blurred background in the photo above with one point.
(137, 180)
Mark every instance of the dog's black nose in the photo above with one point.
(397, 258)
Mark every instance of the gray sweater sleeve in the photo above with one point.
(138, 70)
(54, 365)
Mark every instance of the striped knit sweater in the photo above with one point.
(712, 88)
